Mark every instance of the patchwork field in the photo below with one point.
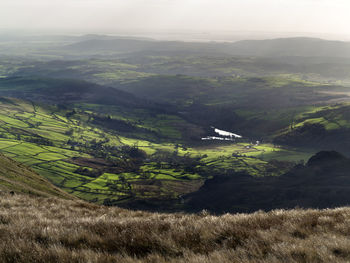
(102, 165)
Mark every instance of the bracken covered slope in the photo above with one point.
(37, 229)
(21, 179)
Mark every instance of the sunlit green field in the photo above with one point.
(39, 137)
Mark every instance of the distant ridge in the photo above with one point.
(299, 47)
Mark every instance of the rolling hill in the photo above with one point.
(67, 91)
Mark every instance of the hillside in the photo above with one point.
(31, 232)
(323, 182)
(65, 91)
(21, 179)
(325, 127)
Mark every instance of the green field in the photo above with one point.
(65, 149)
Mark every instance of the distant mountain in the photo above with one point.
(21, 37)
(299, 47)
(19, 178)
(124, 45)
(324, 182)
(110, 37)
(106, 45)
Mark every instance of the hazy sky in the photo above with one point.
(210, 16)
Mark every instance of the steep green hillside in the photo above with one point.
(19, 178)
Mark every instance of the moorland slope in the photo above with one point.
(37, 229)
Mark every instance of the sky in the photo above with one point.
(178, 16)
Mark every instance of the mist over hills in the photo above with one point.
(299, 47)
(13, 37)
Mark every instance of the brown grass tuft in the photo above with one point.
(34, 229)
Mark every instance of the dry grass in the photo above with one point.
(34, 229)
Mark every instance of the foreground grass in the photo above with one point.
(36, 229)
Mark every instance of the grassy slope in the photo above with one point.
(322, 127)
(21, 179)
(55, 230)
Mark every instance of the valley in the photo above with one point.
(105, 166)
(180, 131)
(117, 122)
